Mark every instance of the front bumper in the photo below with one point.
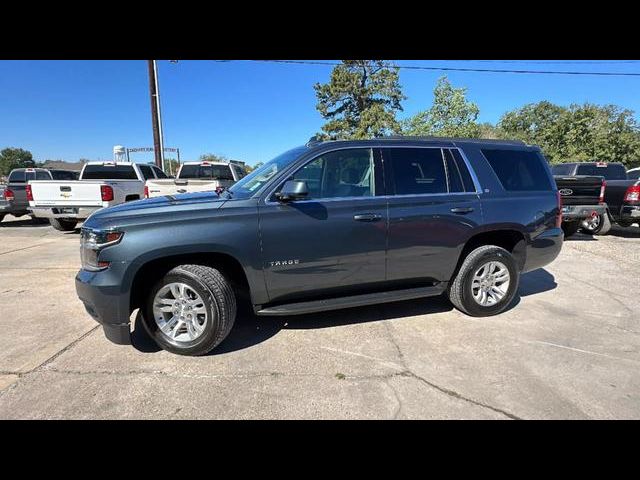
(71, 212)
(574, 213)
(100, 292)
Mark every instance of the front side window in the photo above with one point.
(339, 174)
(418, 171)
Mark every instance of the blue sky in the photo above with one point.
(246, 110)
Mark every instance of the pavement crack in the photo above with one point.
(454, 394)
(65, 349)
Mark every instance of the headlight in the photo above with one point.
(92, 242)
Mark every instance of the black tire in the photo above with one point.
(63, 225)
(602, 226)
(38, 221)
(219, 300)
(460, 292)
(570, 228)
(2, 216)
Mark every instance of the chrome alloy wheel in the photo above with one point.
(592, 223)
(179, 312)
(490, 283)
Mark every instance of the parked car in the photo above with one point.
(325, 226)
(633, 174)
(621, 194)
(197, 177)
(582, 200)
(101, 184)
(13, 199)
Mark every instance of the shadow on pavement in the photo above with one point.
(250, 330)
(24, 222)
(625, 232)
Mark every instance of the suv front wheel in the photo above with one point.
(190, 310)
(486, 282)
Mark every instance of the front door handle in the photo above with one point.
(367, 217)
(462, 210)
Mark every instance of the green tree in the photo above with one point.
(584, 132)
(11, 158)
(361, 100)
(543, 124)
(450, 115)
(212, 157)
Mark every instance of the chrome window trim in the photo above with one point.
(474, 177)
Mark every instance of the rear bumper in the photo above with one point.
(79, 213)
(573, 213)
(630, 213)
(544, 249)
(100, 294)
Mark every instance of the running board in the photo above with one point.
(352, 301)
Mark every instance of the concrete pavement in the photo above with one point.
(570, 348)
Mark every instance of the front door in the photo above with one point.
(336, 237)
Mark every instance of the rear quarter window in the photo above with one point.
(519, 170)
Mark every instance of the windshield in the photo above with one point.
(253, 182)
(214, 172)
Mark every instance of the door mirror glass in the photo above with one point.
(293, 190)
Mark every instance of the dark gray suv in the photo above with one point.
(324, 226)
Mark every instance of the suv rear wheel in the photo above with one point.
(191, 310)
(63, 225)
(486, 282)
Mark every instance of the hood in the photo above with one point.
(156, 210)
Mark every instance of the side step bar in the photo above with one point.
(352, 301)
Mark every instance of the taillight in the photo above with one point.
(633, 194)
(559, 214)
(602, 187)
(146, 192)
(29, 193)
(107, 193)
(8, 195)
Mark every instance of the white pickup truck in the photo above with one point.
(197, 177)
(101, 184)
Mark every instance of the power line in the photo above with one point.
(458, 69)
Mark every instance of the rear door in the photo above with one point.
(433, 207)
(333, 241)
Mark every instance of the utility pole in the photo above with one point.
(156, 120)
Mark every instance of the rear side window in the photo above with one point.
(562, 169)
(147, 173)
(610, 171)
(109, 172)
(17, 176)
(457, 167)
(42, 175)
(418, 171)
(519, 170)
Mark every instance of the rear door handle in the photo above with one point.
(462, 210)
(367, 217)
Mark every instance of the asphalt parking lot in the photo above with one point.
(569, 348)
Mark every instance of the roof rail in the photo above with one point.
(449, 139)
(314, 140)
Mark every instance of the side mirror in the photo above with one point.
(293, 190)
